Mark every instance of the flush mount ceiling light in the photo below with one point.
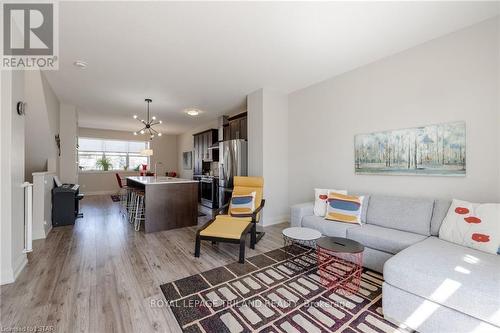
(148, 123)
(193, 112)
(80, 64)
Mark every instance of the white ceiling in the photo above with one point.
(211, 55)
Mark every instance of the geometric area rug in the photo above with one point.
(273, 293)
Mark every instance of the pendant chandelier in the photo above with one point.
(148, 123)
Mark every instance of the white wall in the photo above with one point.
(12, 257)
(185, 142)
(43, 183)
(268, 150)
(255, 120)
(453, 78)
(42, 124)
(68, 133)
(103, 182)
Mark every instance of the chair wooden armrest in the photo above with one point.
(254, 215)
(221, 209)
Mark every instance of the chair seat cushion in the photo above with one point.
(457, 277)
(384, 239)
(226, 226)
(229, 218)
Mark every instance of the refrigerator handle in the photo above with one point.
(225, 166)
(222, 175)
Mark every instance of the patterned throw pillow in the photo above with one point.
(344, 208)
(242, 204)
(472, 225)
(320, 200)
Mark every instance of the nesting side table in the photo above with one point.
(300, 236)
(340, 263)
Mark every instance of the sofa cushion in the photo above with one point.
(438, 214)
(384, 239)
(327, 228)
(406, 214)
(458, 277)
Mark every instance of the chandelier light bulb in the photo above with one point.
(135, 133)
(142, 132)
(159, 134)
(160, 121)
(154, 118)
(135, 116)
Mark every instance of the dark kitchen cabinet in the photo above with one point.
(202, 142)
(197, 155)
(227, 133)
(237, 127)
(234, 129)
(244, 128)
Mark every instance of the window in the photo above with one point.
(100, 154)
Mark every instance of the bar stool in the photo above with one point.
(132, 204)
(124, 197)
(123, 194)
(139, 213)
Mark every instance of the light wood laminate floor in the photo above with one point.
(102, 276)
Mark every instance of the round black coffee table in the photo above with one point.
(340, 263)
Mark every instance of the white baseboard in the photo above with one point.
(10, 275)
(19, 265)
(101, 192)
(275, 220)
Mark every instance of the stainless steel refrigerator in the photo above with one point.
(232, 162)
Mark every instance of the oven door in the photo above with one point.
(208, 193)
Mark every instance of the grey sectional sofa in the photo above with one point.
(430, 285)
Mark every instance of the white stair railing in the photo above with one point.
(28, 217)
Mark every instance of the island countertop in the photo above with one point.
(151, 180)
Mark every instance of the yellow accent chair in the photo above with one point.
(234, 229)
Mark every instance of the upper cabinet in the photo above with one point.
(203, 141)
(237, 128)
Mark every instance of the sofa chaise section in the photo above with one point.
(438, 286)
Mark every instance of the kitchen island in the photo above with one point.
(169, 202)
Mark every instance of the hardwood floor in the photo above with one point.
(102, 276)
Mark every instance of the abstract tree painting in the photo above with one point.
(435, 150)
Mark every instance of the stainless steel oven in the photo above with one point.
(208, 189)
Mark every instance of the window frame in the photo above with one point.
(103, 154)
